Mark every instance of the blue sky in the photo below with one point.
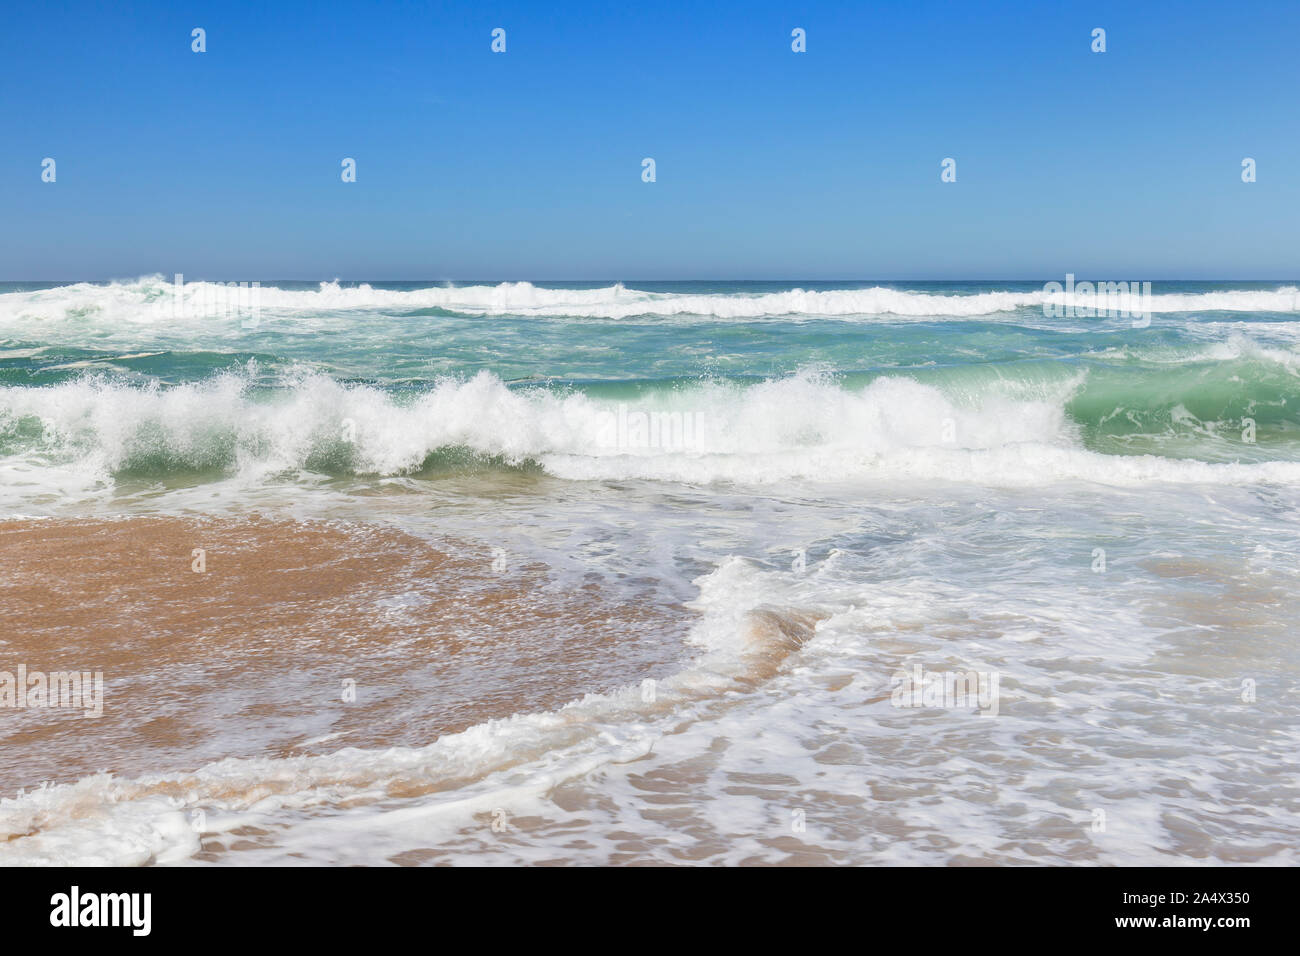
(770, 164)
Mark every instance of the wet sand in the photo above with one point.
(251, 655)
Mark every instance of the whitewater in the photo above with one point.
(687, 535)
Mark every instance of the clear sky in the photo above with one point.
(769, 163)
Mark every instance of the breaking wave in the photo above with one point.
(988, 425)
(155, 299)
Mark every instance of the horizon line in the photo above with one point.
(625, 281)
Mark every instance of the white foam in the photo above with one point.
(106, 820)
(802, 427)
(155, 300)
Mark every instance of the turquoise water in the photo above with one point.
(1101, 510)
(1211, 378)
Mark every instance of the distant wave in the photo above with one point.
(153, 299)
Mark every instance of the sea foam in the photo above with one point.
(154, 299)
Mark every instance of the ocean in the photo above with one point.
(926, 573)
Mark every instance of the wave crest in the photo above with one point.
(805, 426)
(153, 299)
